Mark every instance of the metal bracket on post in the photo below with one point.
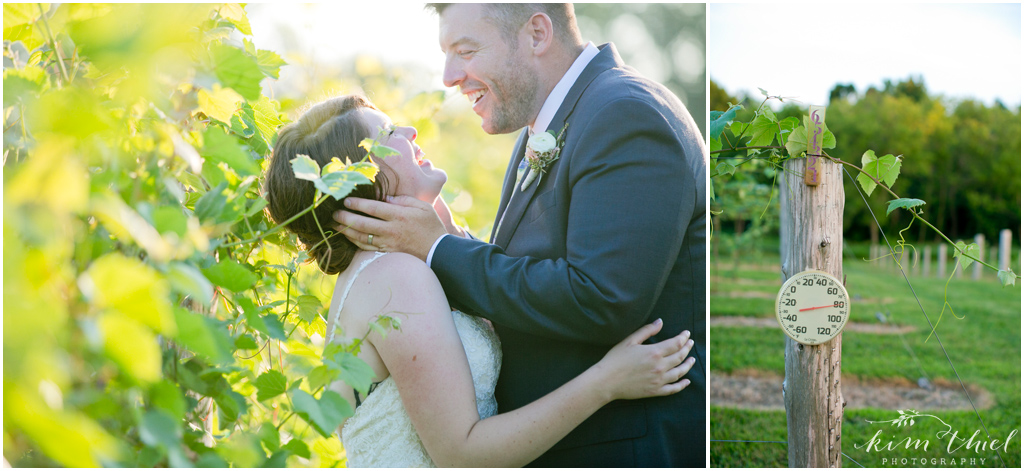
(815, 135)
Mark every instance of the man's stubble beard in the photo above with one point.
(518, 93)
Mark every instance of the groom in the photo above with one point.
(609, 237)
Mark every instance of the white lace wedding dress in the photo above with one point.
(380, 433)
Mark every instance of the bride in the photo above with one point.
(433, 402)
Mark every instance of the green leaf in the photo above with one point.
(219, 103)
(270, 384)
(305, 168)
(884, 169)
(970, 250)
(763, 92)
(340, 184)
(270, 63)
(787, 126)
(234, 13)
(297, 447)
(215, 206)
(353, 371)
(132, 288)
(16, 14)
(265, 118)
(166, 396)
(269, 436)
(269, 325)
(246, 342)
(796, 144)
(189, 280)
(763, 128)
(237, 70)
(230, 275)
(906, 203)
(321, 376)
(230, 404)
(218, 146)
(131, 346)
(160, 430)
(325, 414)
(203, 335)
(725, 168)
(378, 150)
(170, 219)
(721, 119)
(1007, 277)
(309, 307)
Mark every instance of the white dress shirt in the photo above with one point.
(548, 110)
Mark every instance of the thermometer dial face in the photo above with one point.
(812, 307)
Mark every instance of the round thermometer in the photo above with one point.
(812, 307)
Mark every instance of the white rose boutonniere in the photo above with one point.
(541, 150)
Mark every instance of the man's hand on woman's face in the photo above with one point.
(404, 224)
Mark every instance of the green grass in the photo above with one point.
(984, 346)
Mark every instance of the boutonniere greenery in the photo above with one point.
(541, 150)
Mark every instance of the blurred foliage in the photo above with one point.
(960, 156)
(664, 41)
(154, 316)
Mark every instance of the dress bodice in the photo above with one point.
(381, 434)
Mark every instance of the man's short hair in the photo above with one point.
(510, 17)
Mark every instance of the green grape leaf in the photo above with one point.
(787, 126)
(763, 92)
(187, 279)
(721, 119)
(340, 184)
(230, 404)
(234, 13)
(763, 128)
(166, 396)
(309, 307)
(269, 436)
(884, 169)
(970, 250)
(796, 143)
(237, 70)
(266, 119)
(305, 168)
(17, 14)
(132, 346)
(230, 275)
(269, 325)
(353, 371)
(270, 384)
(321, 376)
(367, 169)
(218, 146)
(1007, 277)
(159, 430)
(132, 288)
(297, 447)
(716, 145)
(378, 150)
(219, 103)
(246, 342)
(725, 168)
(203, 335)
(324, 414)
(270, 63)
(906, 203)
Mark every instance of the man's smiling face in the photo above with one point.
(497, 77)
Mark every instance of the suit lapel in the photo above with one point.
(606, 59)
(508, 187)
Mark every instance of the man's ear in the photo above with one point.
(541, 33)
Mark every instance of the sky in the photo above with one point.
(802, 51)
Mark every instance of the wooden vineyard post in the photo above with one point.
(811, 237)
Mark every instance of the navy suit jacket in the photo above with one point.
(610, 238)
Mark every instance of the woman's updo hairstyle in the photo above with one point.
(333, 128)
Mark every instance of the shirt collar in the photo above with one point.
(557, 95)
